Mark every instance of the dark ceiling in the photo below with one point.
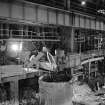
(91, 6)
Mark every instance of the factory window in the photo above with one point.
(86, 40)
(14, 30)
(13, 49)
(1, 31)
(5, 30)
(34, 32)
(30, 31)
(25, 31)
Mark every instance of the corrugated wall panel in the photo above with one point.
(30, 13)
(72, 20)
(82, 22)
(87, 23)
(52, 17)
(92, 24)
(42, 15)
(97, 25)
(67, 20)
(60, 18)
(77, 21)
(4, 10)
(17, 11)
(102, 26)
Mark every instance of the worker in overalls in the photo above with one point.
(41, 56)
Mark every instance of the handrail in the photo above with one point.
(92, 59)
(92, 55)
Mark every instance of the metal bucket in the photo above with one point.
(55, 93)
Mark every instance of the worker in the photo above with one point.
(43, 59)
(100, 80)
(92, 83)
(35, 59)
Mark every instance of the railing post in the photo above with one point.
(72, 40)
(14, 92)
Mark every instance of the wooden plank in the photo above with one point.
(30, 13)
(4, 9)
(17, 11)
(11, 70)
(13, 78)
(42, 15)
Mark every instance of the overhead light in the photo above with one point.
(83, 3)
(17, 47)
(14, 47)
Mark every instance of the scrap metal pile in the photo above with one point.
(5, 98)
(82, 94)
(29, 97)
